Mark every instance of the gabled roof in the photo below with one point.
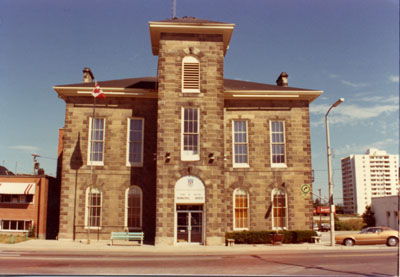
(147, 87)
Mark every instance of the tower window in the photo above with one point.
(190, 74)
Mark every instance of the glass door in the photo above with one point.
(183, 227)
(196, 226)
(189, 223)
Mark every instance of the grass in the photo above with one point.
(6, 239)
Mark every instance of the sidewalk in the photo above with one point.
(132, 247)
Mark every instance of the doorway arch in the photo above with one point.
(189, 207)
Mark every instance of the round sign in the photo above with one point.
(305, 188)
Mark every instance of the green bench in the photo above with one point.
(128, 236)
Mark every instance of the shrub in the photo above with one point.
(264, 237)
(349, 225)
(368, 217)
(32, 231)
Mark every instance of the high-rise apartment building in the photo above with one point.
(374, 174)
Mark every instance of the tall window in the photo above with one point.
(241, 208)
(190, 74)
(134, 208)
(190, 134)
(135, 141)
(279, 209)
(240, 149)
(96, 141)
(278, 156)
(93, 208)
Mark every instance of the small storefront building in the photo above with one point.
(29, 204)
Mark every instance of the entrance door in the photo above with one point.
(189, 223)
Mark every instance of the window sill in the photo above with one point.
(17, 203)
(194, 91)
(240, 229)
(95, 164)
(241, 166)
(17, 231)
(278, 166)
(134, 164)
(92, 228)
(189, 159)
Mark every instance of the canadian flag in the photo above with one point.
(98, 92)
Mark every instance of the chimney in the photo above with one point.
(282, 80)
(87, 75)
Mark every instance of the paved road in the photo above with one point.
(360, 262)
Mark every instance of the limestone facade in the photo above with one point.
(211, 209)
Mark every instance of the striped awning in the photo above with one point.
(17, 188)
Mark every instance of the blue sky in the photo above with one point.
(347, 48)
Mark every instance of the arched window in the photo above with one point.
(133, 214)
(93, 208)
(190, 74)
(279, 209)
(240, 209)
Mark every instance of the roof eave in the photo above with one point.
(308, 95)
(64, 92)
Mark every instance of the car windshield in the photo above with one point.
(365, 230)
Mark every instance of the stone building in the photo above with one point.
(188, 155)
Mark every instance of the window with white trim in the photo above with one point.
(278, 143)
(279, 209)
(190, 74)
(93, 208)
(133, 208)
(15, 225)
(240, 209)
(190, 134)
(96, 141)
(135, 142)
(240, 143)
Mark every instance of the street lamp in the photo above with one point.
(328, 150)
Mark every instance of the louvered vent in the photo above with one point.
(191, 76)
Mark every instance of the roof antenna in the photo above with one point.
(173, 9)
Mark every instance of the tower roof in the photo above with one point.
(189, 25)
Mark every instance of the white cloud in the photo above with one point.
(394, 78)
(349, 149)
(351, 114)
(380, 99)
(354, 85)
(25, 148)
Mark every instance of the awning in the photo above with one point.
(17, 188)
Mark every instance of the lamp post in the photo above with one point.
(328, 150)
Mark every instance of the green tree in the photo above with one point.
(368, 217)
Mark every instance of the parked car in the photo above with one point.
(370, 235)
(324, 227)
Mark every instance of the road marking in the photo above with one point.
(360, 255)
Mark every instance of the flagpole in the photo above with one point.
(91, 168)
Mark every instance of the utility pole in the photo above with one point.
(320, 201)
(35, 163)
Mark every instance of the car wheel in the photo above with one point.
(348, 242)
(392, 241)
